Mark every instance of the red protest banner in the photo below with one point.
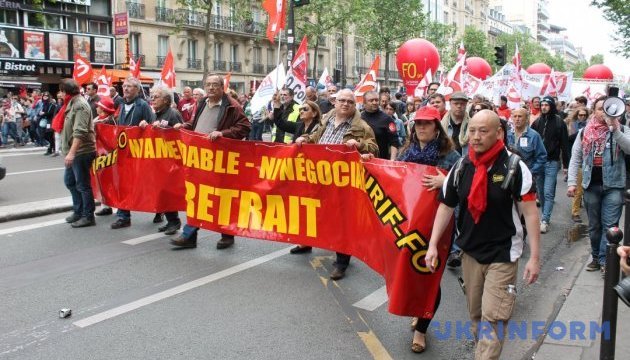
(316, 195)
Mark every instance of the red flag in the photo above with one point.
(299, 65)
(423, 84)
(368, 83)
(277, 16)
(516, 60)
(134, 66)
(461, 51)
(454, 80)
(168, 70)
(82, 71)
(103, 82)
(226, 82)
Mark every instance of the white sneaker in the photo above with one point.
(544, 227)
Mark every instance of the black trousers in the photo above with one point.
(423, 324)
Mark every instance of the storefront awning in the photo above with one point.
(120, 76)
(18, 84)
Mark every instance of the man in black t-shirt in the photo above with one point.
(491, 233)
(383, 126)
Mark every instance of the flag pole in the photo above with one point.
(278, 57)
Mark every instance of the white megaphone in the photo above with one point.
(614, 106)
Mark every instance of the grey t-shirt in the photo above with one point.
(208, 119)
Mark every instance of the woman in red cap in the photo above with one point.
(428, 144)
(105, 115)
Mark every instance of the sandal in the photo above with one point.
(417, 347)
(414, 322)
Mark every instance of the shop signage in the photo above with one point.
(11, 67)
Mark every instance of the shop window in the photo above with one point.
(8, 17)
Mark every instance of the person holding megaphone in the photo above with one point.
(599, 149)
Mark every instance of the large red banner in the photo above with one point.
(318, 195)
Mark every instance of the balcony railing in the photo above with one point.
(160, 61)
(194, 63)
(139, 56)
(259, 69)
(236, 66)
(361, 70)
(221, 23)
(164, 14)
(135, 10)
(219, 65)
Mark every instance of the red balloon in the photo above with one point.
(539, 68)
(413, 59)
(478, 68)
(598, 72)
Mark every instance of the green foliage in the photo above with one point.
(597, 59)
(579, 68)
(386, 24)
(476, 44)
(618, 13)
(531, 51)
(442, 36)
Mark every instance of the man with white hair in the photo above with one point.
(343, 125)
(166, 117)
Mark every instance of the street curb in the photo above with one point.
(34, 213)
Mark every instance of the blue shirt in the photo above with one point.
(531, 149)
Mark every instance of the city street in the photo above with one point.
(133, 297)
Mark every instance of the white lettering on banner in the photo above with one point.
(11, 66)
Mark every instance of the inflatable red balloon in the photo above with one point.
(413, 59)
(539, 68)
(478, 68)
(598, 72)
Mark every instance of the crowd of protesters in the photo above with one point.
(458, 133)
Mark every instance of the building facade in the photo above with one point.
(38, 43)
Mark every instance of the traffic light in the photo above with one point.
(298, 3)
(499, 54)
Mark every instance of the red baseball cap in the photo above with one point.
(107, 104)
(427, 113)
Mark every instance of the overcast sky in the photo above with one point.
(586, 27)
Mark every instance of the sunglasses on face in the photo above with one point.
(582, 115)
(305, 109)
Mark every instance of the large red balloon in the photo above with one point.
(413, 59)
(478, 67)
(539, 68)
(599, 72)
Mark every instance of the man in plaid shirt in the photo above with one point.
(343, 125)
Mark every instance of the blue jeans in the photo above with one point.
(77, 180)
(123, 214)
(603, 208)
(9, 129)
(190, 232)
(257, 130)
(546, 187)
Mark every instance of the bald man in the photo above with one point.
(491, 237)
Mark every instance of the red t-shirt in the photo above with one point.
(186, 107)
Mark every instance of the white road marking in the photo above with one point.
(142, 239)
(35, 171)
(105, 315)
(31, 226)
(372, 301)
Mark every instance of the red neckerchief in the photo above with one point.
(478, 196)
(58, 120)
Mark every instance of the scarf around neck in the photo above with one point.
(478, 196)
(427, 156)
(59, 119)
(594, 135)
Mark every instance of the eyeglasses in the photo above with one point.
(581, 115)
(346, 101)
(213, 85)
(304, 109)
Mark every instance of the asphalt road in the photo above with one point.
(31, 176)
(134, 297)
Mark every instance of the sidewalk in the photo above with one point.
(584, 304)
(35, 208)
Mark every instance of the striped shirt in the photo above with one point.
(334, 135)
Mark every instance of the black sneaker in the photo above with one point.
(158, 218)
(593, 266)
(170, 228)
(454, 259)
(72, 218)
(104, 211)
(121, 223)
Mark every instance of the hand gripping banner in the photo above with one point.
(317, 195)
